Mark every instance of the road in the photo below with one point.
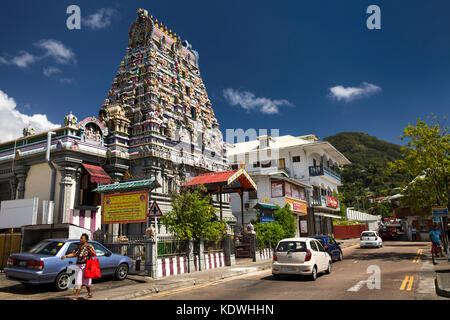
(405, 274)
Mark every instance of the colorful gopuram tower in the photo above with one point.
(158, 111)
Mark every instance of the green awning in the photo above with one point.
(261, 205)
(129, 185)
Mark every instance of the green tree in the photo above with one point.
(193, 216)
(283, 227)
(426, 163)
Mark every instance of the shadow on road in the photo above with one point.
(291, 277)
(372, 254)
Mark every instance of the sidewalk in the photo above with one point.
(442, 281)
(147, 286)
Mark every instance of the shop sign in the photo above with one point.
(297, 206)
(440, 211)
(332, 202)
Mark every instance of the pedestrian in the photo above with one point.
(435, 236)
(413, 233)
(83, 252)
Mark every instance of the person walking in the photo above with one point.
(83, 252)
(413, 233)
(435, 236)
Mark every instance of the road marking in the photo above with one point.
(357, 286)
(408, 281)
(418, 256)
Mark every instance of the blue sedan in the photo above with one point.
(332, 247)
(43, 263)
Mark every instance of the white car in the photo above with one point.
(371, 239)
(301, 256)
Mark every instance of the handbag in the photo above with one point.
(92, 270)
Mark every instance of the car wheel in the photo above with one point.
(276, 276)
(341, 257)
(62, 281)
(122, 272)
(313, 276)
(328, 271)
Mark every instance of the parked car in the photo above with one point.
(371, 239)
(385, 234)
(301, 256)
(43, 263)
(332, 247)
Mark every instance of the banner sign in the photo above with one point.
(303, 226)
(297, 206)
(267, 219)
(129, 207)
(440, 211)
(332, 202)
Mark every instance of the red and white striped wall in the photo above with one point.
(266, 254)
(172, 266)
(214, 260)
(88, 219)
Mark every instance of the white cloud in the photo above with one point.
(250, 102)
(48, 72)
(12, 121)
(101, 19)
(57, 50)
(66, 80)
(351, 93)
(24, 59)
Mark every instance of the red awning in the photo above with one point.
(225, 179)
(98, 175)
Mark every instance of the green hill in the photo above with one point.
(367, 174)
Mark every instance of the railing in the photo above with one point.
(169, 247)
(322, 202)
(315, 171)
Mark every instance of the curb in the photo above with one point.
(439, 290)
(187, 284)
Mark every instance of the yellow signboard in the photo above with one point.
(297, 206)
(129, 207)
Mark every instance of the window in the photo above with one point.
(320, 247)
(48, 248)
(256, 164)
(72, 247)
(86, 195)
(253, 195)
(267, 164)
(281, 164)
(100, 251)
(295, 246)
(234, 167)
(296, 159)
(313, 246)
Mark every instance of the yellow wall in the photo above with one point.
(38, 185)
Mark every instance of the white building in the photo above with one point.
(300, 171)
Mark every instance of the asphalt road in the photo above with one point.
(403, 276)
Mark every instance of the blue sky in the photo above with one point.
(265, 64)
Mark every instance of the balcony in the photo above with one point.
(322, 201)
(315, 171)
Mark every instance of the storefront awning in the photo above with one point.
(261, 205)
(98, 175)
(328, 215)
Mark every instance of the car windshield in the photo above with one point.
(368, 234)
(49, 248)
(296, 246)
